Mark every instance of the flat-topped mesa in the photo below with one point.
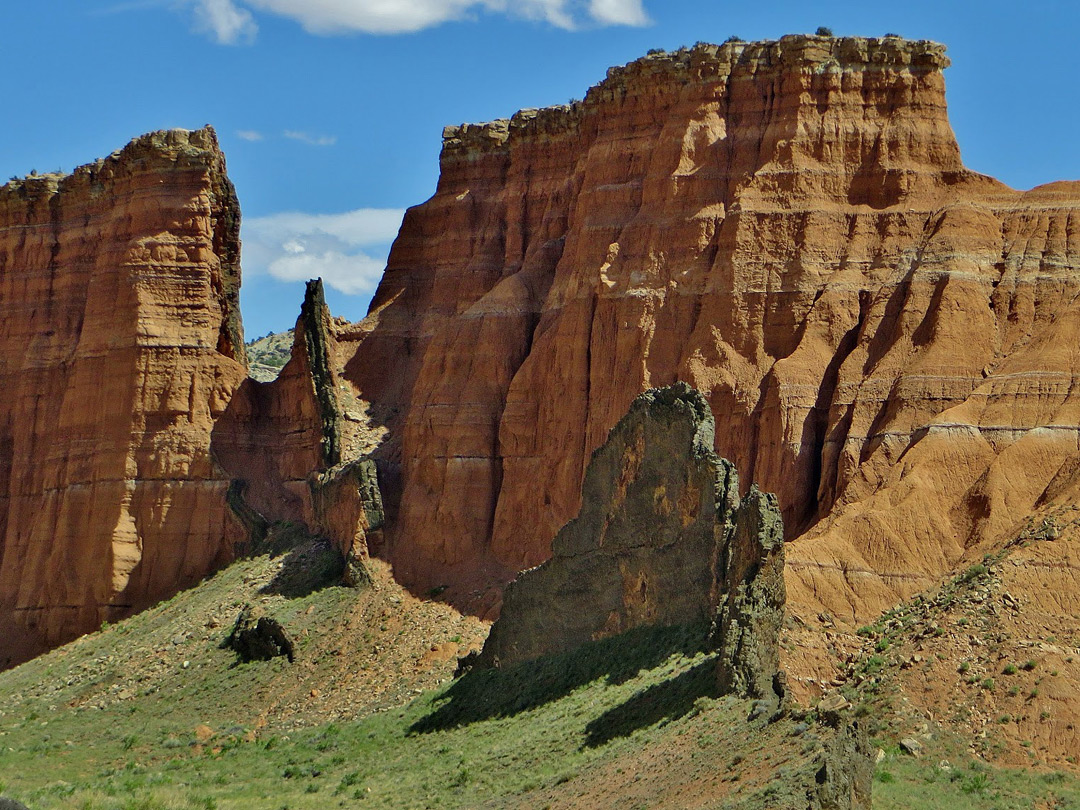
(786, 226)
(175, 152)
(678, 223)
(793, 65)
(120, 346)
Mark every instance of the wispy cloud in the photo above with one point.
(310, 140)
(249, 135)
(227, 22)
(348, 250)
(231, 21)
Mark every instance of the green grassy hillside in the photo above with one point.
(155, 713)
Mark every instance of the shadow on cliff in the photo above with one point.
(309, 567)
(490, 693)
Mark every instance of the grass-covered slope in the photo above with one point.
(154, 714)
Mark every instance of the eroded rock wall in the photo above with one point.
(882, 335)
(296, 448)
(120, 347)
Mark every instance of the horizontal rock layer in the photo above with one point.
(120, 346)
(883, 336)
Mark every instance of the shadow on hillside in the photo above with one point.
(490, 693)
(662, 702)
(309, 566)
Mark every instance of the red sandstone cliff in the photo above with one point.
(120, 346)
(884, 336)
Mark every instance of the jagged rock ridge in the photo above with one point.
(662, 539)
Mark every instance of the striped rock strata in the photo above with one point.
(120, 346)
(884, 337)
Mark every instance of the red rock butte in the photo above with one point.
(119, 347)
(884, 337)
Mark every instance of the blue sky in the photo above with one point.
(331, 111)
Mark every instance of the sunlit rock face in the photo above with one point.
(884, 337)
(662, 539)
(120, 346)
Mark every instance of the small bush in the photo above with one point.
(873, 664)
(976, 783)
(824, 31)
(1010, 669)
(1028, 665)
(974, 572)
(988, 684)
(964, 667)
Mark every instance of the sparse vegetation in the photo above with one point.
(494, 737)
(973, 573)
(824, 31)
(269, 353)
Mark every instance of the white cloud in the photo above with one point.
(348, 251)
(249, 135)
(618, 12)
(310, 140)
(369, 16)
(230, 20)
(227, 22)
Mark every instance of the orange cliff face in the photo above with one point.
(884, 336)
(120, 347)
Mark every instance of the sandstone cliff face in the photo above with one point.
(120, 346)
(882, 335)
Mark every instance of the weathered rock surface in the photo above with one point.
(257, 636)
(750, 614)
(661, 540)
(844, 779)
(882, 335)
(298, 448)
(120, 347)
